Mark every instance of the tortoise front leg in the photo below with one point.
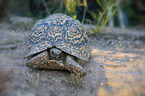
(73, 66)
(38, 61)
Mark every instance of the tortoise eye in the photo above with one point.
(61, 54)
(52, 53)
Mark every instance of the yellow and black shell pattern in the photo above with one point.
(61, 31)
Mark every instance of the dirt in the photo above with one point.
(116, 68)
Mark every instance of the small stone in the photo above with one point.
(102, 84)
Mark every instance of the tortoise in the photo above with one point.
(58, 42)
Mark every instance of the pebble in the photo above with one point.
(102, 84)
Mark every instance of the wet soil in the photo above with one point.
(116, 68)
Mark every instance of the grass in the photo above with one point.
(118, 47)
(103, 16)
(33, 80)
(71, 8)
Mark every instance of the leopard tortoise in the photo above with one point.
(58, 42)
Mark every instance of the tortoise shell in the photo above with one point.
(60, 31)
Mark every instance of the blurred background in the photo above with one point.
(118, 13)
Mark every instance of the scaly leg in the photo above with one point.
(73, 66)
(38, 61)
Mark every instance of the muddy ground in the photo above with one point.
(117, 66)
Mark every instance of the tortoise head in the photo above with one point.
(56, 54)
